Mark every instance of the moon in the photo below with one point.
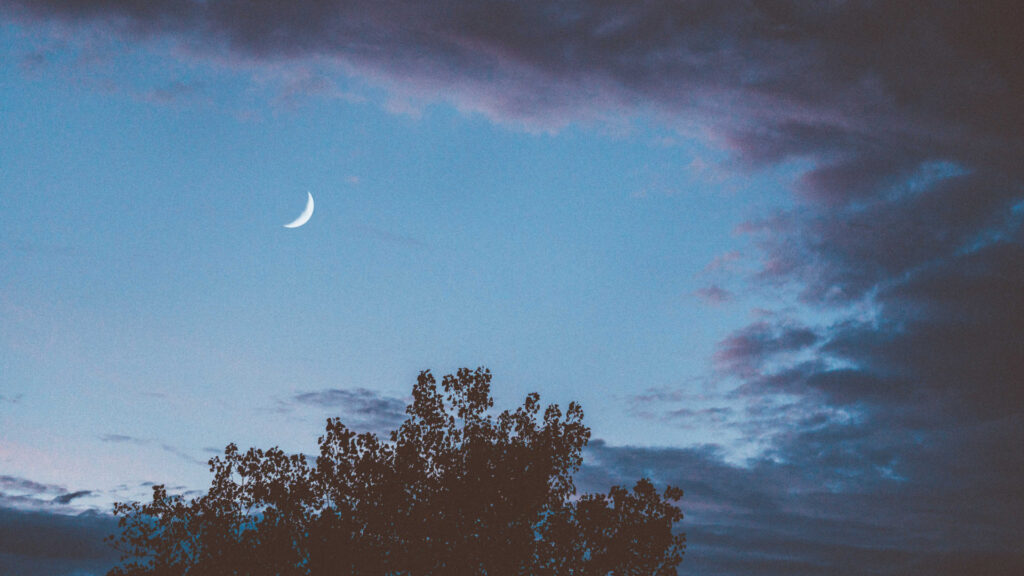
(305, 216)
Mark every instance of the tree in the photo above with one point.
(454, 491)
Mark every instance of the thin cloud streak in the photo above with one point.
(358, 407)
(124, 439)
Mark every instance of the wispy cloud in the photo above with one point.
(715, 294)
(178, 452)
(28, 486)
(11, 399)
(67, 498)
(25, 494)
(358, 407)
(746, 350)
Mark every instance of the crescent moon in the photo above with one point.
(305, 216)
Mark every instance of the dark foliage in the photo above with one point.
(454, 491)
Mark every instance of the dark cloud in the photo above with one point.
(772, 517)
(8, 483)
(30, 510)
(67, 498)
(45, 544)
(358, 401)
(945, 339)
(914, 415)
(358, 407)
(842, 254)
(745, 351)
(122, 438)
(842, 78)
(26, 494)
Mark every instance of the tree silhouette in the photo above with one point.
(454, 491)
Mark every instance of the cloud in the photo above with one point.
(17, 493)
(943, 345)
(125, 439)
(746, 350)
(715, 294)
(173, 93)
(834, 78)
(36, 543)
(909, 418)
(7, 399)
(67, 498)
(842, 254)
(701, 412)
(776, 518)
(25, 485)
(358, 407)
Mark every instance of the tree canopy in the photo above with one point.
(454, 490)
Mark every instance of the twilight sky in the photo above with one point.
(775, 249)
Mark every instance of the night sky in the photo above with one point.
(775, 249)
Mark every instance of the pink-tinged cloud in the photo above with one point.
(715, 294)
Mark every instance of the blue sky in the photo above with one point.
(774, 253)
(155, 295)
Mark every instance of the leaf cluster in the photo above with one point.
(454, 490)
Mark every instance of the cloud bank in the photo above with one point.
(43, 532)
(44, 544)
